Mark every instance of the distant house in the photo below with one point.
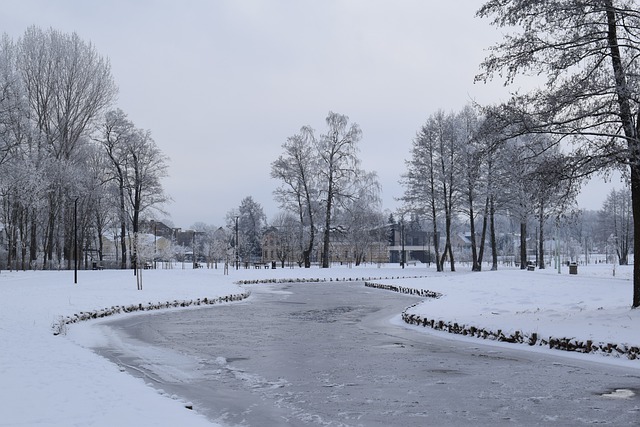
(417, 244)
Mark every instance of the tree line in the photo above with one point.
(460, 167)
(71, 165)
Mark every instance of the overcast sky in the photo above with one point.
(221, 84)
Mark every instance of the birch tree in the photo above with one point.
(317, 174)
(362, 219)
(617, 215)
(298, 190)
(338, 168)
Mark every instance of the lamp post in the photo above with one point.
(193, 257)
(155, 244)
(237, 244)
(75, 241)
(403, 256)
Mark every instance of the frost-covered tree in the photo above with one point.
(432, 179)
(617, 217)
(251, 221)
(470, 166)
(420, 180)
(145, 168)
(338, 169)
(136, 168)
(298, 191)
(285, 231)
(114, 135)
(317, 174)
(68, 84)
(361, 219)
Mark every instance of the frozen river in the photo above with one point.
(329, 354)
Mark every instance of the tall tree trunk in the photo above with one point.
(23, 240)
(99, 232)
(631, 133)
(492, 233)
(541, 241)
(306, 253)
(448, 251)
(123, 228)
(123, 245)
(436, 237)
(472, 226)
(327, 226)
(33, 245)
(635, 201)
(48, 256)
(447, 226)
(68, 248)
(483, 235)
(436, 244)
(523, 245)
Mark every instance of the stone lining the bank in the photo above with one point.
(404, 290)
(323, 280)
(516, 337)
(59, 326)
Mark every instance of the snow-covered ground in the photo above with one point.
(54, 381)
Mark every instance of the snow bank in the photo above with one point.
(588, 312)
(51, 380)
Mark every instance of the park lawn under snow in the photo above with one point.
(58, 381)
(593, 305)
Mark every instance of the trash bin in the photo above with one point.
(573, 268)
(531, 266)
(273, 265)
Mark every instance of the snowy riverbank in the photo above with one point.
(51, 380)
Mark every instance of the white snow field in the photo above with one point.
(56, 380)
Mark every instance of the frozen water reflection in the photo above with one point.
(327, 354)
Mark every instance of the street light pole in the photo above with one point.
(155, 243)
(403, 256)
(194, 250)
(237, 244)
(75, 241)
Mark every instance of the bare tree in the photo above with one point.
(14, 125)
(470, 169)
(317, 173)
(114, 135)
(338, 168)
(421, 186)
(616, 210)
(67, 84)
(251, 222)
(136, 166)
(298, 192)
(432, 180)
(145, 167)
(361, 218)
(589, 53)
(284, 229)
